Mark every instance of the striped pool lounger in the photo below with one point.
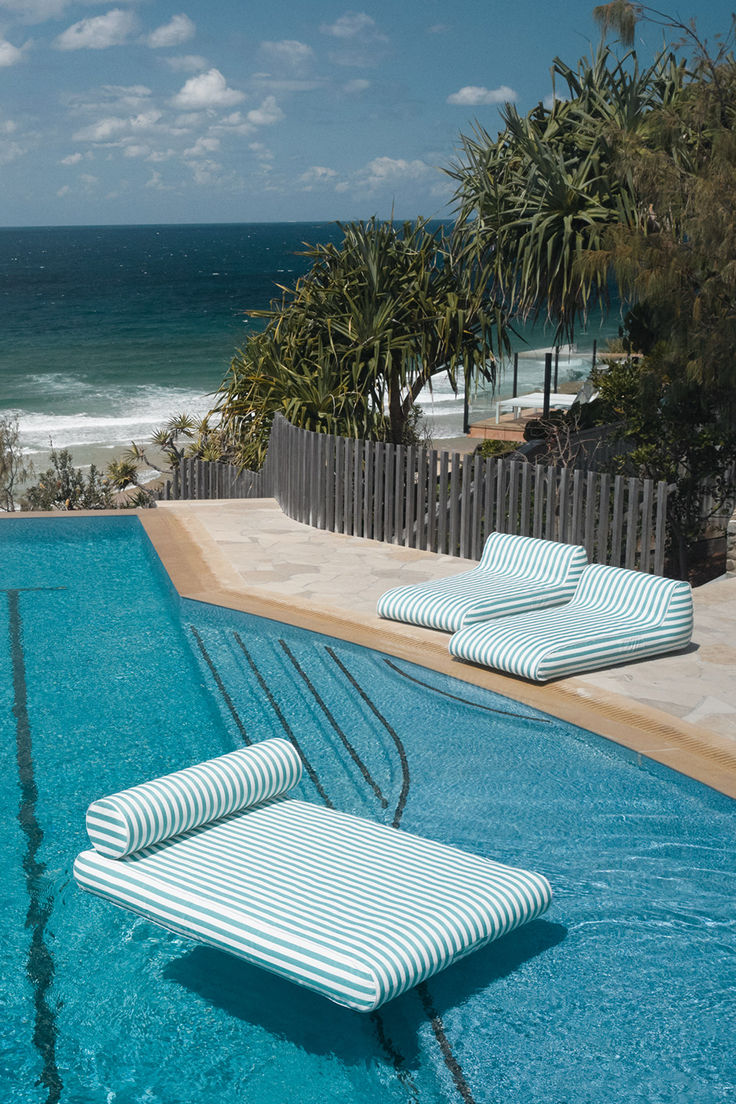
(354, 910)
(615, 616)
(515, 574)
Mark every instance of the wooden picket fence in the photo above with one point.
(445, 502)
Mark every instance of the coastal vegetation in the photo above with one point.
(14, 468)
(349, 349)
(626, 182)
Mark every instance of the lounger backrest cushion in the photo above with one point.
(166, 807)
(531, 558)
(648, 599)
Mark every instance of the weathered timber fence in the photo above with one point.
(426, 498)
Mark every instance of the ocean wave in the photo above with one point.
(128, 416)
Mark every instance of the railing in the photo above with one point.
(444, 502)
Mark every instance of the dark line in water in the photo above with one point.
(437, 1026)
(284, 723)
(39, 963)
(220, 685)
(406, 780)
(362, 767)
(402, 1073)
(450, 1060)
(465, 701)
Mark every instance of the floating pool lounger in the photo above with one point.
(355, 910)
(515, 575)
(616, 615)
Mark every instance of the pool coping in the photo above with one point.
(200, 572)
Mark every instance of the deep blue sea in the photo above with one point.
(105, 332)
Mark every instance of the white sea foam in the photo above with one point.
(127, 415)
(443, 409)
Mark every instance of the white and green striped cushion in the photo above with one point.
(354, 910)
(615, 615)
(128, 821)
(514, 574)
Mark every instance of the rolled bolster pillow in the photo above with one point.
(164, 807)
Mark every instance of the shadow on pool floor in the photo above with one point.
(318, 1026)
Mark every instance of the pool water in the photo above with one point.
(622, 992)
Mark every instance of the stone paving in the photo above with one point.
(252, 546)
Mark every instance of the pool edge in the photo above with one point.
(200, 572)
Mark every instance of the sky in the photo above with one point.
(149, 111)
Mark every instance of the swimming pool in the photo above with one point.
(623, 991)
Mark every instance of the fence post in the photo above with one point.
(421, 541)
(400, 494)
(476, 546)
(618, 520)
(604, 516)
(388, 494)
(443, 504)
(646, 525)
(660, 537)
(465, 508)
(432, 500)
(489, 481)
(410, 493)
(454, 535)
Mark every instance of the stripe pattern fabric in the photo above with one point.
(616, 615)
(126, 822)
(354, 910)
(514, 574)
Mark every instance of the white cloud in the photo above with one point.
(64, 190)
(72, 159)
(361, 42)
(186, 63)
(349, 25)
(110, 97)
(263, 154)
(101, 131)
(11, 151)
(268, 113)
(317, 174)
(136, 149)
(180, 28)
(104, 130)
(355, 87)
(9, 54)
(473, 95)
(155, 181)
(89, 181)
(288, 52)
(99, 32)
(206, 90)
(36, 11)
(202, 147)
(383, 170)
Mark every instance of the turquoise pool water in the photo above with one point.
(622, 992)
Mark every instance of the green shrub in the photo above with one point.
(491, 449)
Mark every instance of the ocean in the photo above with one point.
(107, 332)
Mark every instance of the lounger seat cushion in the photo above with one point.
(355, 910)
(615, 616)
(514, 574)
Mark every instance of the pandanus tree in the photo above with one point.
(351, 347)
(539, 199)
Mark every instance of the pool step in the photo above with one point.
(310, 691)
